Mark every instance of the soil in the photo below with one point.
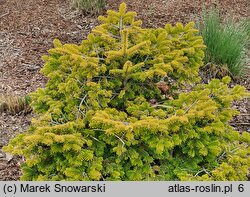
(28, 27)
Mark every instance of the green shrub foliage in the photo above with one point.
(112, 110)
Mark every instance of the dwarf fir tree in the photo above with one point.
(112, 110)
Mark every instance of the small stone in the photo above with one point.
(9, 156)
(79, 26)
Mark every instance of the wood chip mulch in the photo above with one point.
(28, 27)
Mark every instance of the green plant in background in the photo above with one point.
(226, 42)
(112, 110)
(89, 6)
(14, 104)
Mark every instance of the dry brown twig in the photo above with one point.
(5, 14)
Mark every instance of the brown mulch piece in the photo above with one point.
(28, 27)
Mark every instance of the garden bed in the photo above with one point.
(27, 29)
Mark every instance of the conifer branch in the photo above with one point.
(95, 138)
(187, 110)
(135, 120)
(120, 24)
(123, 143)
(114, 36)
(98, 130)
(164, 106)
(114, 95)
(146, 58)
(203, 170)
(124, 42)
(107, 77)
(221, 156)
(55, 122)
(83, 100)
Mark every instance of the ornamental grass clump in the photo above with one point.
(226, 43)
(89, 6)
(13, 104)
(112, 110)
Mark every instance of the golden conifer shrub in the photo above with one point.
(112, 110)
